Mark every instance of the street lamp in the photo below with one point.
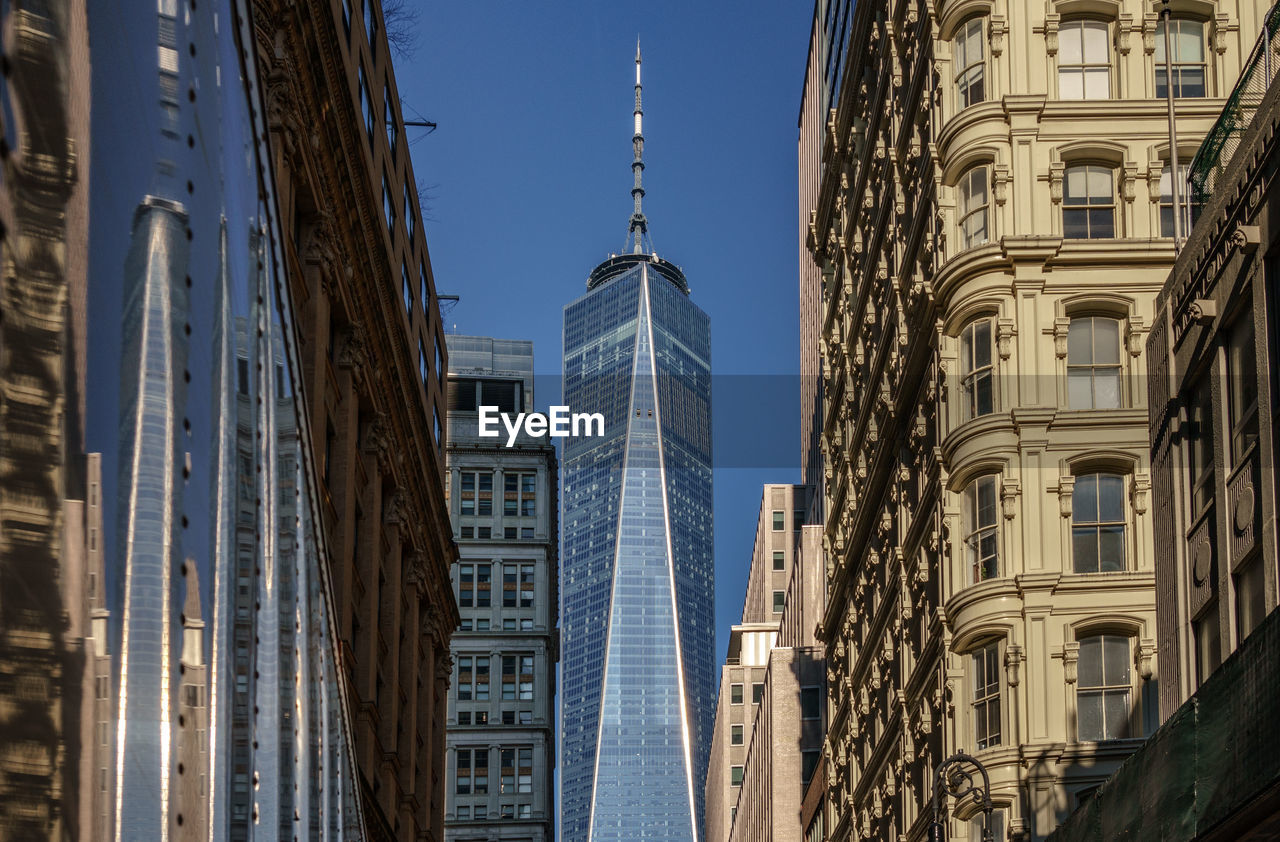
(955, 777)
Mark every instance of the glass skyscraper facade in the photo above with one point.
(637, 566)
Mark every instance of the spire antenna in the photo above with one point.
(638, 231)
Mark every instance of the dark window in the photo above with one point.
(970, 63)
(1088, 203)
(986, 696)
(1190, 72)
(976, 369)
(779, 560)
(810, 702)
(1097, 523)
(1242, 387)
(757, 693)
(779, 521)
(735, 694)
(1103, 692)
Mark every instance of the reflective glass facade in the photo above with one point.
(637, 570)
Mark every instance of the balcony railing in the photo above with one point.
(1219, 146)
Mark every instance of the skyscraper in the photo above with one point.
(637, 576)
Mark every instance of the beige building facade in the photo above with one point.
(768, 736)
(993, 225)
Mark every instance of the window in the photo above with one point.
(1184, 196)
(1097, 523)
(735, 735)
(779, 521)
(986, 696)
(484, 575)
(526, 678)
(464, 811)
(1251, 601)
(517, 770)
(370, 24)
(389, 117)
(1093, 363)
(422, 363)
(779, 560)
(735, 776)
(976, 369)
(757, 693)
(1242, 387)
(1200, 413)
(510, 578)
(526, 585)
(1084, 60)
(473, 678)
(779, 601)
(974, 201)
(970, 64)
(810, 702)
(422, 293)
(388, 206)
(366, 103)
(509, 677)
(518, 495)
(1102, 698)
(981, 550)
(976, 827)
(808, 765)
(408, 215)
(1208, 641)
(466, 585)
(1089, 204)
(464, 717)
(735, 694)
(1189, 69)
(477, 493)
(406, 292)
(472, 772)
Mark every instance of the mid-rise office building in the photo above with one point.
(637, 615)
(767, 743)
(500, 762)
(991, 247)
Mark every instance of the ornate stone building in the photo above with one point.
(373, 358)
(993, 223)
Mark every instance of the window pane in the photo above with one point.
(1099, 184)
(1080, 342)
(1084, 502)
(1110, 497)
(1102, 223)
(1096, 48)
(1090, 664)
(983, 402)
(987, 501)
(1097, 83)
(1116, 653)
(1111, 548)
(982, 344)
(1106, 388)
(1106, 341)
(1116, 710)
(1079, 389)
(1089, 715)
(1188, 41)
(1084, 549)
(1070, 44)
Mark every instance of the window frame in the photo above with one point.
(965, 210)
(1093, 367)
(972, 74)
(1189, 211)
(987, 699)
(975, 531)
(737, 734)
(1084, 66)
(1098, 525)
(1179, 67)
(1086, 203)
(1104, 689)
(735, 693)
(972, 375)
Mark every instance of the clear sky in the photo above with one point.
(527, 185)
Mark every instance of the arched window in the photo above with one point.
(1084, 60)
(981, 548)
(1104, 690)
(975, 199)
(1190, 71)
(1093, 363)
(1088, 202)
(1097, 523)
(970, 62)
(976, 369)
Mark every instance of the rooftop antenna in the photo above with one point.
(638, 231)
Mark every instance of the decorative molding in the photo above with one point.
(1070, 661)
(1066, 485)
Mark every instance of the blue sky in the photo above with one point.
(527, 184)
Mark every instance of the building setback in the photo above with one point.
(500, 762)
(768, 737)
(990, 250)
(373, 371)
(637, 581)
